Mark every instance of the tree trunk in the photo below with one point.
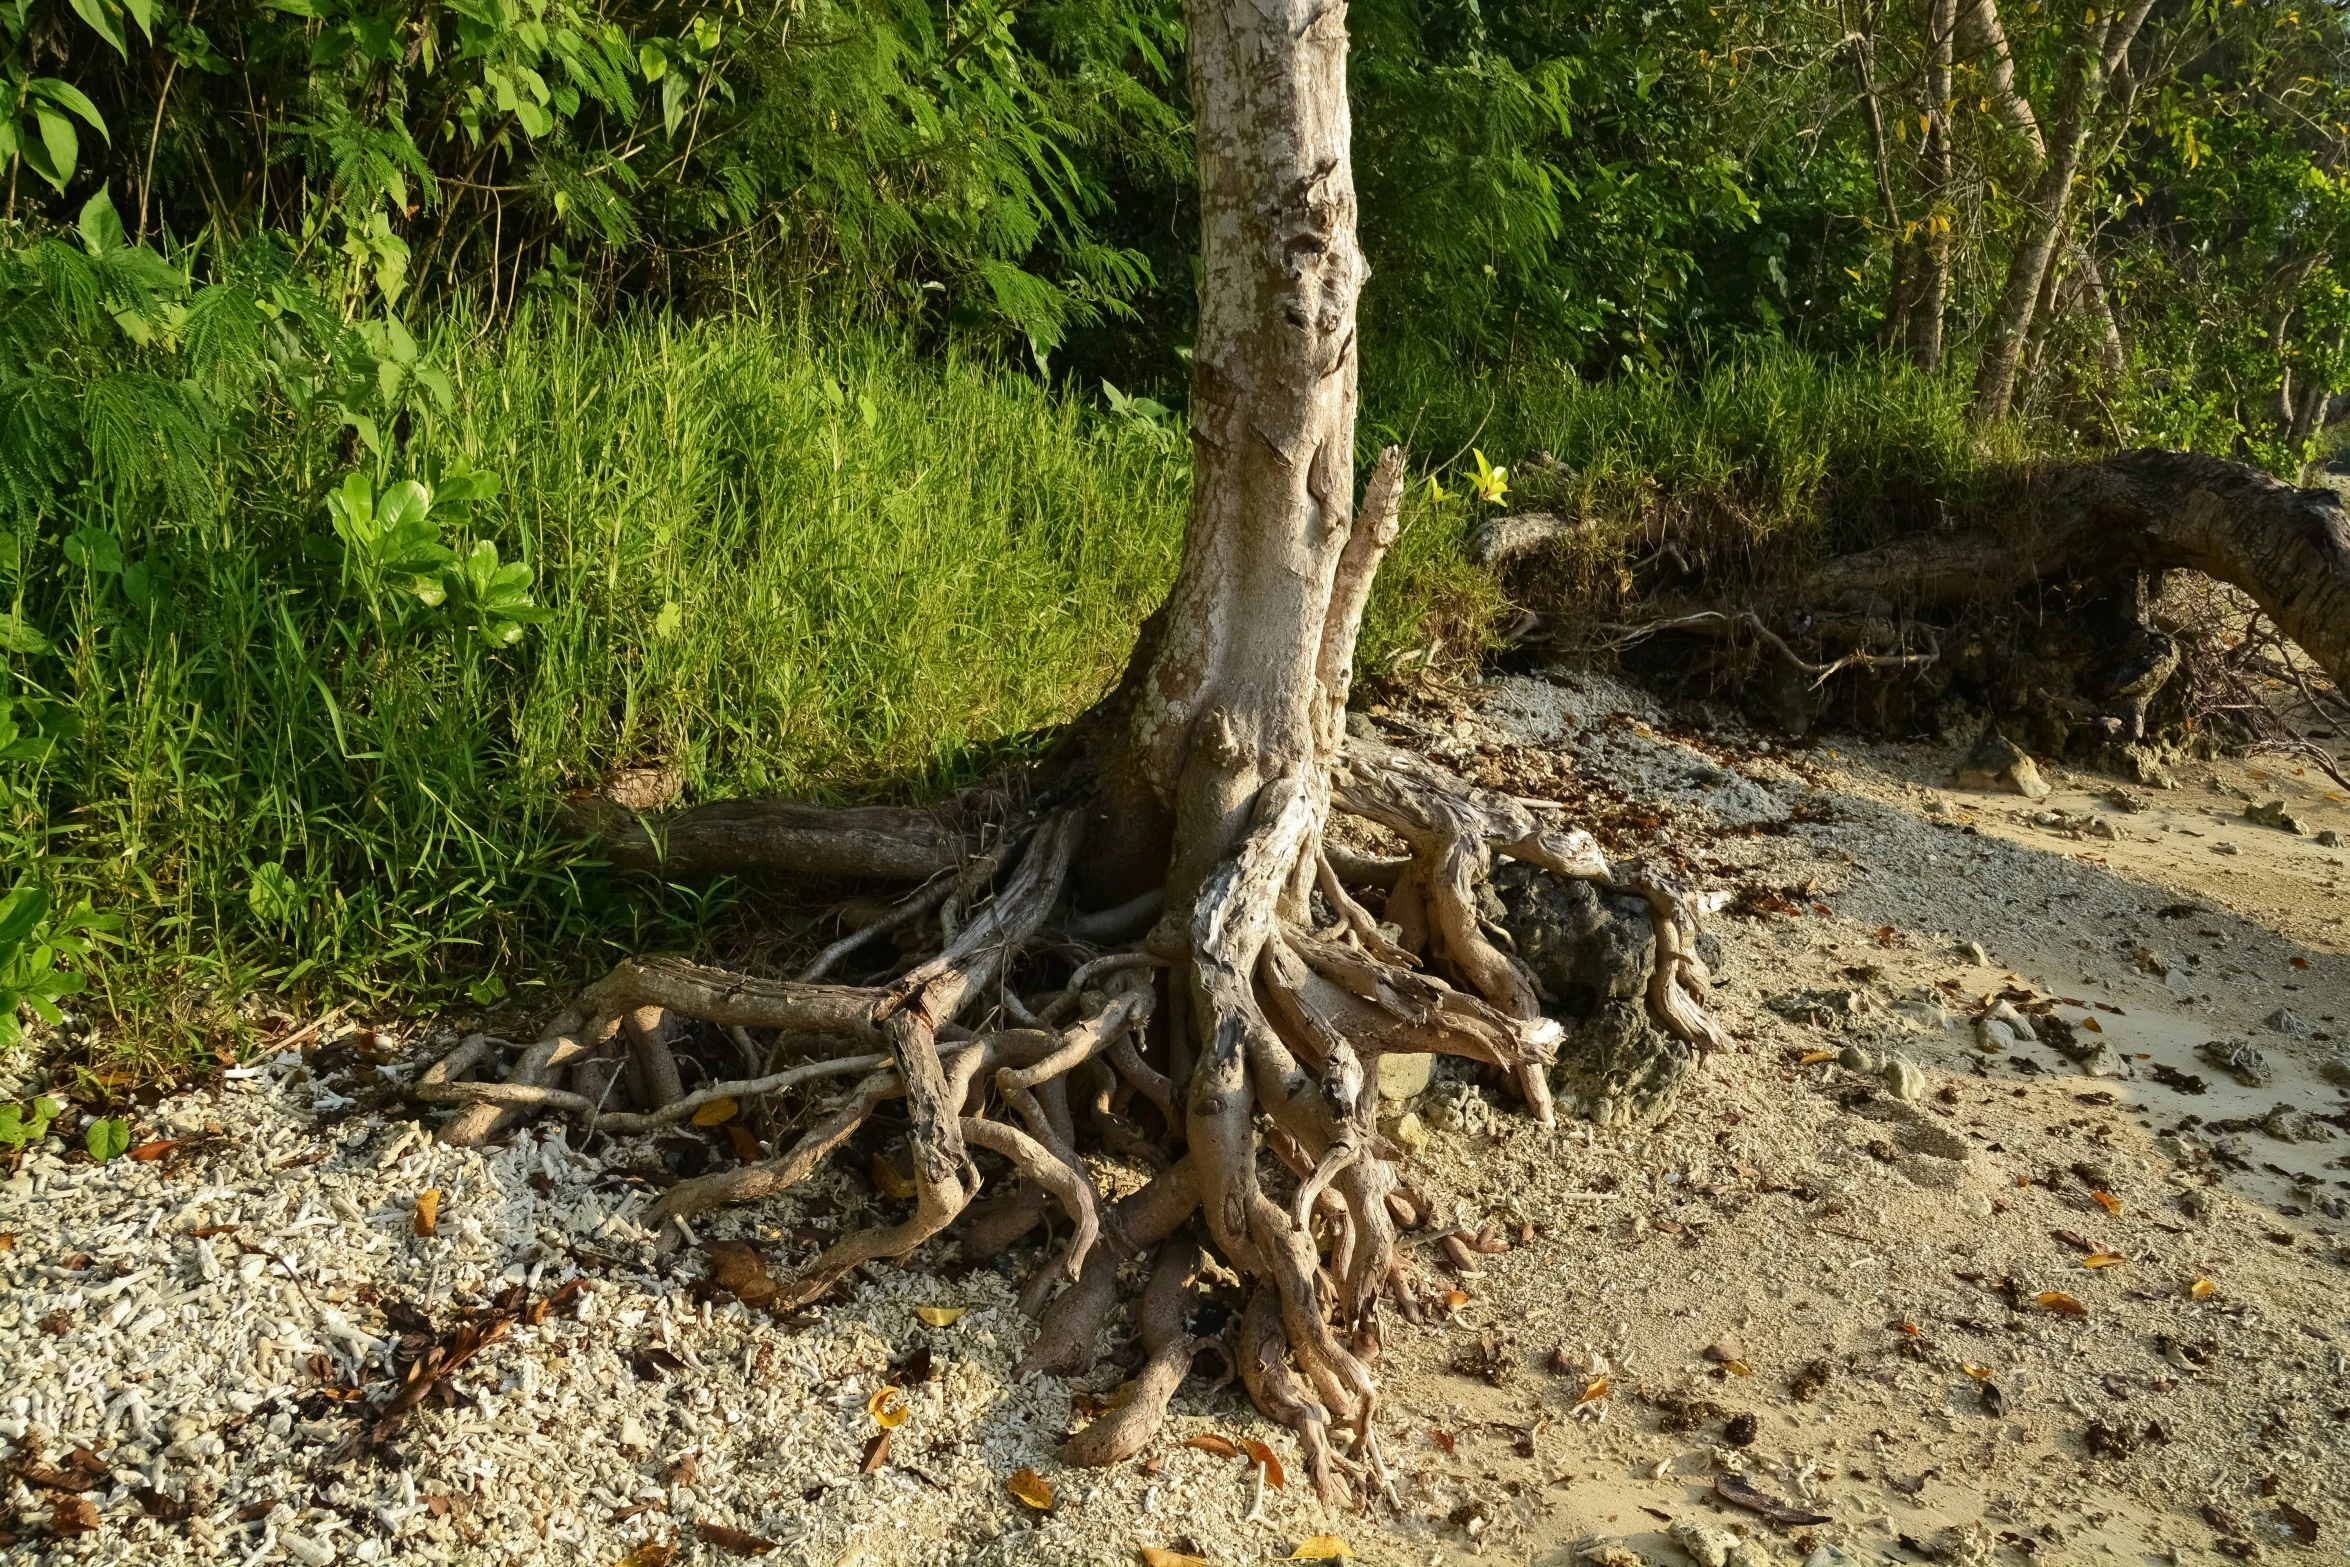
(1195, 794)
(1931, 258)
(2288, 548)
(2100, 52)
(1864, 63)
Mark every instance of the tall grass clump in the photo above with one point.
(825, 571)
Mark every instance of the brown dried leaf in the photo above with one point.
(1734, 1490)
(1152, 1556)
(745, 1141)
(1267, 1459)
(148, 1153)
(1594, 1389)
(888, 1408)
(2058, 1301)
(2103, 1259)
(1209, 1442)
(2092, 1025)
(653, 1553)
(739, 1542)
(1443, 1438)
(7, 1240)
(1738, 1368)
(72, 1516)
(428, 1210)
(2109, 1202)
(2303, 1526)
(876, 1453)
(736, 1267)
(1030, 1488)
(891, 1181)
(717, 1113)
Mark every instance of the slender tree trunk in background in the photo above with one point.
(1864, 60)
(2311, 406)
(1983, 34)
(2042, 227)
(1931, 257)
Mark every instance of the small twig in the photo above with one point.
(1753, 622)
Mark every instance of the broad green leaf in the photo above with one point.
(106, 19)
(61, 148)
(669, 621)
(652, 62)
(109, 1138)
(17, 636)
(71, 99)
(21, 913)
(273, 895)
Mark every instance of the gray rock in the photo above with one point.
(2099, 827)
(1360, 726)
(1997, 763)
(1973, 952)
(1855, 1059)
(2329, 839)
(2335, 1070)
(2123, 800)
(2238, 1059)
(2273, 814)
(2149, 961)
(1904, 1081)
(2284, 1020)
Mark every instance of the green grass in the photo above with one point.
(828, 570)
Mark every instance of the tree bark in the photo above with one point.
(1247, 679)
(1930, 258)
(1864, 64)
(2101, 50)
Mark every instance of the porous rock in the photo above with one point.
(1591, 952)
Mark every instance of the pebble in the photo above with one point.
(2329, 839)
(1973, 952)
(2284, 1020)
(1904, 1081)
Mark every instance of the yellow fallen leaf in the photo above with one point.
(1152, 1556)
(1027, 1486)
(1209, 1442)
(1738, 1368)
(1321, 1548)
(2108, 1201)
(886, 1176)
(1454, 1300)
(941, 1316)
(2058, 1301)
(2202, 1289)
(888, 1408)
(1595, 1388)
(1979, 1373)
(2103, 1259)
(428, 1210)
(653, 1553)
(1265, 1458)
(2092, 1025)
(717, 1113)
(1815, 1057)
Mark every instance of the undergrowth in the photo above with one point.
(299, 760)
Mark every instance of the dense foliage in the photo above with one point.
(411, 410)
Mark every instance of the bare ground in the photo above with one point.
(1867, 1270)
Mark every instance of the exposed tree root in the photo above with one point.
(1256, 1025)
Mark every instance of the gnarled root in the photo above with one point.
(1236, 1003)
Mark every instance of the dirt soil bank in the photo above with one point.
(1957, 1303)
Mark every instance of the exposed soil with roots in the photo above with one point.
(1017, 1038)
(1982, 1232)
